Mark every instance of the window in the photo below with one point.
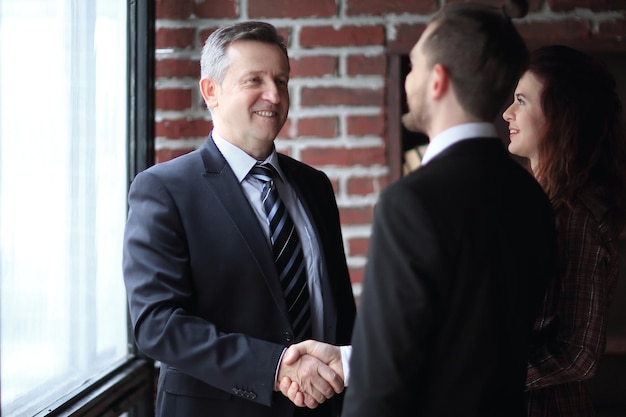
(63, 181)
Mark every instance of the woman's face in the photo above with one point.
(527, 123)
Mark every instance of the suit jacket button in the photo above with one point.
(288, 337)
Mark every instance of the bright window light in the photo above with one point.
(63, 181)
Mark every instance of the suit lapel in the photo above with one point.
(227, 190)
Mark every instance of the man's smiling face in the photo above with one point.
(252, 103)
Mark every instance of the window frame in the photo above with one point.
(128, 386)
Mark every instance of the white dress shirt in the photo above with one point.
(456, 134)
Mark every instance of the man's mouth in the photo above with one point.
(266, 113)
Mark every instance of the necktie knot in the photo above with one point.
(263, 172)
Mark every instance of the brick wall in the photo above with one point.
(338, 57)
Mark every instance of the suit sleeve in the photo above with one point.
(160, 292)
(395, 315)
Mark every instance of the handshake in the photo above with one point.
(311, 372)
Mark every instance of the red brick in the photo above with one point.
(313, 66)
(356, 277)
(203, 35)
(406, 37)
(339, 96)
(182, 128)
(595, 5)
(366, 125)
(291, 9)
(495, 3)
(358, 246)
(379, 8)
(367, 65)
(612, 29)
(383, 182)
(554, 32)
(343, 156)
(216, 9)
(285, 32)
(356, 215)
(173, 99)
(175, 68)
(284, 132)
(534, 5)
(173, 9)
(182, 38)
(321, 127)
(163, 155)
(360, 186)
(311, 36)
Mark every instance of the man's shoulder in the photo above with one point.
(188, 159)
(179, 167)
(290, 164)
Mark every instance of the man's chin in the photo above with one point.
(411, 125)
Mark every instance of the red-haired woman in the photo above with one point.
(565, 119)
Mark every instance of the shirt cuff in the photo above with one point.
(346, 352)
(280, 360)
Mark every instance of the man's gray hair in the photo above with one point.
(214, 62)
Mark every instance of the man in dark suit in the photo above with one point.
(461, 248)
(206, 296)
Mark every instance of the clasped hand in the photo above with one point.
(310, 373)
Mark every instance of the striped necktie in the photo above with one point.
(288, 254)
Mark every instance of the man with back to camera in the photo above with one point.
(461, 249)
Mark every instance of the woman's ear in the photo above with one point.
(209, 90)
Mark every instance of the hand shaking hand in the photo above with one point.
(310, 373)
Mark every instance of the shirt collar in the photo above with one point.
(240, 162)
(456, 134)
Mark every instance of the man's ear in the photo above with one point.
(209, 89)
(440, 81)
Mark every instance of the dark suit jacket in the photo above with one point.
(202, 287)
(460, 255)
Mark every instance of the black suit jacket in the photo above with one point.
(459, 258)
(204, 296)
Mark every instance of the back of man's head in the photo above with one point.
(482, 52)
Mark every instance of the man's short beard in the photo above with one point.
(414, 123)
